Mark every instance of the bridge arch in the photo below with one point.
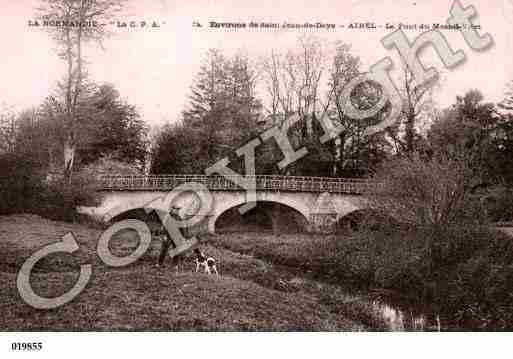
(365, 216)
(230, 201)
(121, 210)
(117, 203)
(265, 216)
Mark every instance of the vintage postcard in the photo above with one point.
(173, 166)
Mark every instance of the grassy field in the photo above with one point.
(250, 295)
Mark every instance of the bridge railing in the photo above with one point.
(219, 183)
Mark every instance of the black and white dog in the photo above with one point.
(208, 263)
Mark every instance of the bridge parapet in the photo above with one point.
(219, 183)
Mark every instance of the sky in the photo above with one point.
(154, 68)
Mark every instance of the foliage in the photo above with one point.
(70, 41)
(355, 153)
(499, 157)
(109, 166)
(33, 137)
(7, 130)
(21, 182)
(24, 189)
(111, 127)
(467, 130)
(498, 203)
(477, 132)
(417, 110)
(431, 192)
(308, 81)
(223, 113)
(220, 117)
(222, 109)
(60, 199)
(470, 289)
(174, 151)
(108, 127)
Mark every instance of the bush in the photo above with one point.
(107, 165)
(470, 287)
(499, 204)
(449, 259)
(24, 189)
(60, 199)
(426, 192)
(21, 183)
(478, 295)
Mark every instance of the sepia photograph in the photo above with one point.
(173, 166)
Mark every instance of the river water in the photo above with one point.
(391, 307)
(399, 319)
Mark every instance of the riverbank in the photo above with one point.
(353, 282)
(466, 287)
(250, 294)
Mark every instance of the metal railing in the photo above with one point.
(219, 183)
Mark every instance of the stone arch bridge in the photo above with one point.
(321, 201)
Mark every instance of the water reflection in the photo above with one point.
(398, 320)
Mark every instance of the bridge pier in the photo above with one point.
(324, 223)
(324, 216)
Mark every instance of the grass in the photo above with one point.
(267, 283)
(125, 300)
(251, 294)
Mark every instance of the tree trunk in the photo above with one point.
(339, 153)
(69, 158)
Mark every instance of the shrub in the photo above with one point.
(61, 199)
(470, 287)
(107, 165)
(21, 183)
(426, 192)
(477, 294)
(499, 204)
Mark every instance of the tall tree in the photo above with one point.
(293, 82)
(309, 82)
(33, 137)
(355, 152)
(81, 23)
(500, 154)
(110, 126)
(107, 126)
(223, 108)
(417, 103)
(466, 130)
(220, 117)
(351, 141)
(174, 151)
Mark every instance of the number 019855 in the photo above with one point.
(27, 346)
